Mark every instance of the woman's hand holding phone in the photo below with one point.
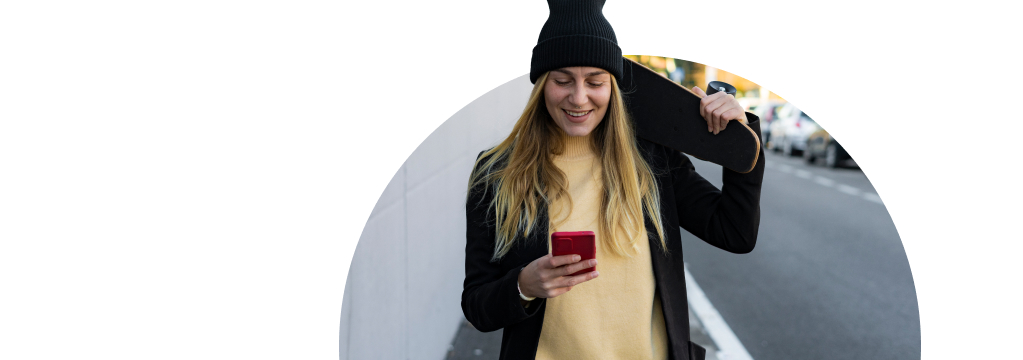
(550, 276)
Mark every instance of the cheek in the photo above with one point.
(602, 100)
(605, 97)
(552, 109)
(550, 98)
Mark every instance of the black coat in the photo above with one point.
(728, 219)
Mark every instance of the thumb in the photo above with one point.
(699, 92)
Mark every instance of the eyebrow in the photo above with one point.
(593, 73)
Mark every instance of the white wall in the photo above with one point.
(402, 298)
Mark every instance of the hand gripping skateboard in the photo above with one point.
(666, 113)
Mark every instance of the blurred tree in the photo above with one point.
(689, 74)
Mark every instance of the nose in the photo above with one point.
(579, 97)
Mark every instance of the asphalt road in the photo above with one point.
(829, 278)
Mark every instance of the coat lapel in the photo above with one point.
(669, 268)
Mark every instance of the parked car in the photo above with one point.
(820, 145)
(766, 112)
(777, 127)
(790, 130)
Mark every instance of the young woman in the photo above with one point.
(572, 163)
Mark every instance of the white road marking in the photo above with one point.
(872, 197)
(848, 189)
(824, 181)
(785, 168)
(730, 348)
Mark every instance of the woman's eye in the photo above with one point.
(559, 82)
(598, 84)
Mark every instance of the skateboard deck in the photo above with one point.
(666, 113)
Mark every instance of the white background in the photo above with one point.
(189, 179)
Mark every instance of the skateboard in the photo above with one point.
(667, 113)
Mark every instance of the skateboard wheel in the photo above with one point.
(716, 86)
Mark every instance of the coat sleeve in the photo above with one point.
(728, 218)
(490, 295)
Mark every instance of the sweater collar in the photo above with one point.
(577, 148)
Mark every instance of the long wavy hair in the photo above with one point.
(521, 172)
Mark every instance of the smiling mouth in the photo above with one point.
(577, 114)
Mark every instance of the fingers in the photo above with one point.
(557, 292)
(558, 261)
(573, 268)
(699, 92)
(721, 116)
(565, 283)
(732, 113)
(709, 109)
(552, 276)
(570, 281)
(718, 110)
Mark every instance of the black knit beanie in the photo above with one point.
(576, 34)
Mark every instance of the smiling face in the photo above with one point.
(577, 98)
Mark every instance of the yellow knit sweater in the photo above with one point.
(617, 315)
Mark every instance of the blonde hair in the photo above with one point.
(521, 172)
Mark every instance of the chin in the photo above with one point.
(579, 132)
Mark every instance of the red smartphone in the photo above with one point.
(582, 243)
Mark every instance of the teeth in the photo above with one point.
(576, 114)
